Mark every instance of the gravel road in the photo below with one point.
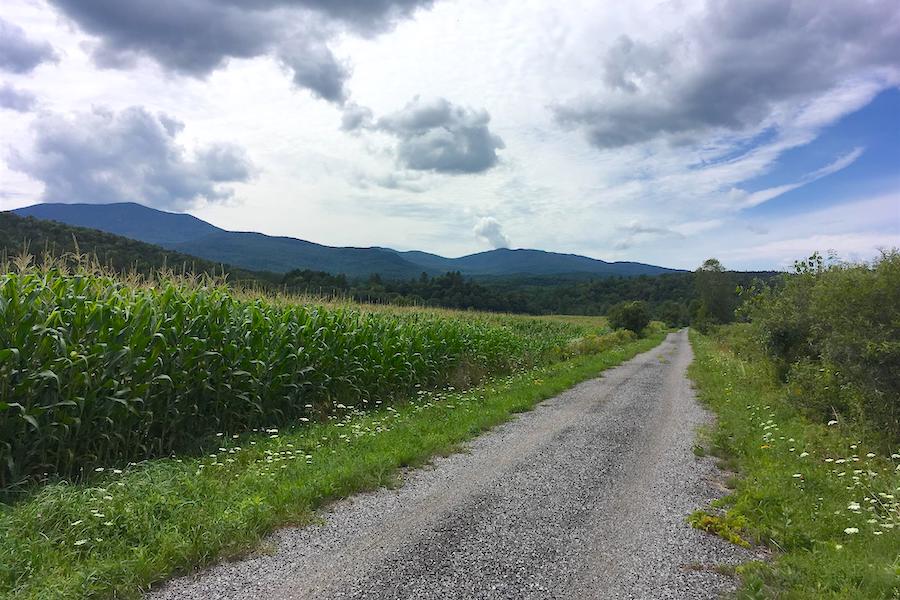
(584, 497)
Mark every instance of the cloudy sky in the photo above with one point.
(659, 131)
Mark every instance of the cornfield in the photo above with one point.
(98, 370)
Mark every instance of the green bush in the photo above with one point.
(833, 331)
(633, 316)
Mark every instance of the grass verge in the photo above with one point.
(131, 528)
(819, 496)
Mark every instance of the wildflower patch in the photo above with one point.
(822, 497)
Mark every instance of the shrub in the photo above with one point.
(633, 316)
(833, 331)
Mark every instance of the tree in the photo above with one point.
(629, 315)
(672, 313)
(717, 293)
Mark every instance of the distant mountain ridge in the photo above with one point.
(506, 261)
(190, 235)
(127, 219)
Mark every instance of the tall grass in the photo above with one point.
(96, 370)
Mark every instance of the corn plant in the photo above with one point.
(96, 370)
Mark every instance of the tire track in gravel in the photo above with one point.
(584, 497)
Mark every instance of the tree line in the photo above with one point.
(708, 295)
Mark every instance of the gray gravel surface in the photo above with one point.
(584, 497)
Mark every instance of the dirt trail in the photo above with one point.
(585, 497)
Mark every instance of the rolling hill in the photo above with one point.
(190, 235)
(505, 261)
(127, 219)
(18, 234)
(281, 254)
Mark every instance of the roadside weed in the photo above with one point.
(821, 497)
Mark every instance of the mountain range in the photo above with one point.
(259, 252)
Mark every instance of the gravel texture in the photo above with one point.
(584, 497)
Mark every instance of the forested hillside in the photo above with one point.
(21, 235)
(280, 254)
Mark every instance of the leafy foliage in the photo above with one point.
(833, 331)
(629, 315)
(594, 344)
(717, 296)
(727, 526)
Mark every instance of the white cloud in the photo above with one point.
(15, 99)
(512, 60)
(489, 230)
(731, 69)
(129, 156)
(19, 53)
(433, 135)
(197, 37)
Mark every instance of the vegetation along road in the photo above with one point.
(584, 497)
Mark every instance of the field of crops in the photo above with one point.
(98, 371)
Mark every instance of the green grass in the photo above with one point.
(819, 496)
(118, 534)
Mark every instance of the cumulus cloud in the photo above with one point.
(435, 135)
(488, 229)
(18, 53)
(366, 17)
(16, 99)
(628, 62)
(315, 67)
(733, 68)
(103, 156)
(355, 118)
(195, 37)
